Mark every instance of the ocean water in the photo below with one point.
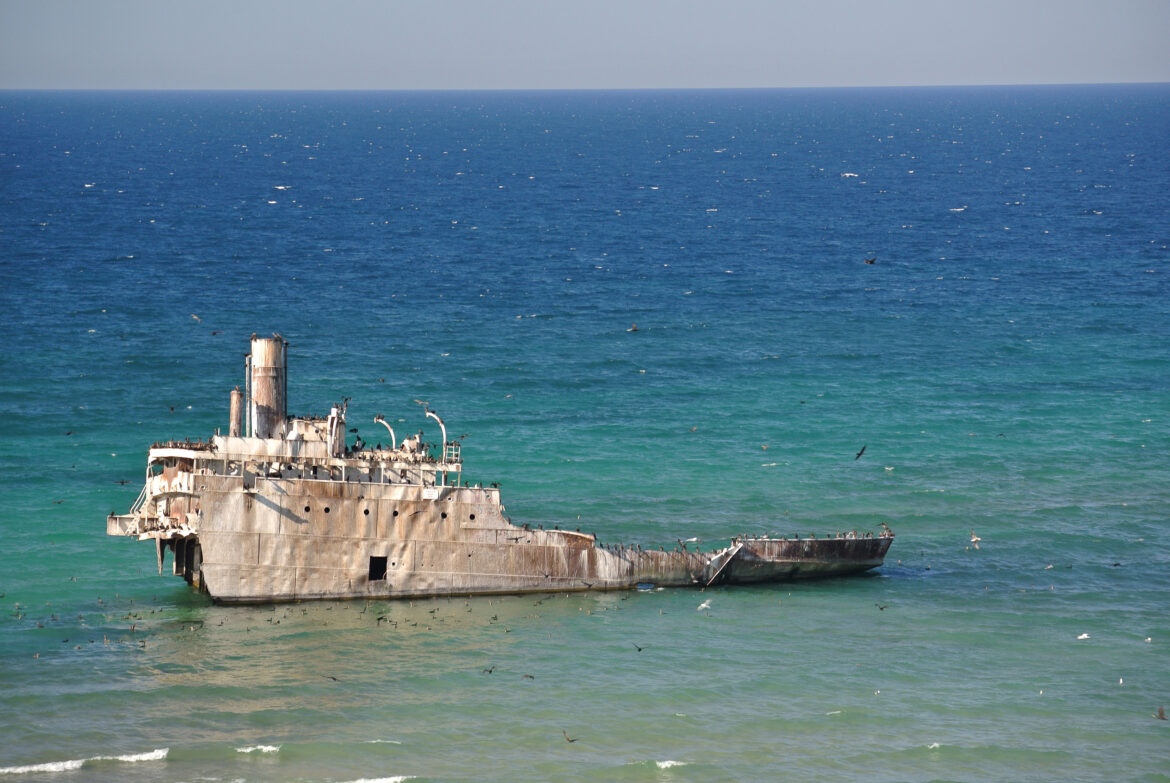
(1005, 362)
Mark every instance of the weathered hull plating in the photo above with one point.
(303, 516)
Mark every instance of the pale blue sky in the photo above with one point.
(554, 44)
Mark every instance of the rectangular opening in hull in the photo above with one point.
(377, 569)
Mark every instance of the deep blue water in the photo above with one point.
(1005, 361)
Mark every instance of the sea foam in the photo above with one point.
(72, 764)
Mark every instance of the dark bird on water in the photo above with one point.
(490, 669)
(330, 677)
(1161, 713)
(880, 607)
(871, 260)
(567, 737)
(639, 649)
(859, 453)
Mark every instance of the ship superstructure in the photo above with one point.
(282, 509)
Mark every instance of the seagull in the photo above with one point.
(567, 737)
(859, 454)
(871, 260)
(1161, 713)
(705, 605)
(975, 539)
(1084, 636)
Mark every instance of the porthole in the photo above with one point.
(444, 515)
(472, 516)
(395, 512)
(306, 509)
(327, 509)
(366, 512)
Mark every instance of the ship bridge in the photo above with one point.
(267, 445)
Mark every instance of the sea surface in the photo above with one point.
(1004, 361)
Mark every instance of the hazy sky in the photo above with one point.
(560, 44)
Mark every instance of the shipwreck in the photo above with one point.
(285, 508)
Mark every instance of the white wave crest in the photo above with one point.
(397, 779)
(668, 764)
(72, 764)
(259, 749)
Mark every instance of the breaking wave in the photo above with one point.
(73, 764)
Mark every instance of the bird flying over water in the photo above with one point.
(567, 737)
(859, 453)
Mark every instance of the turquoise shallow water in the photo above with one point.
(1004, 361)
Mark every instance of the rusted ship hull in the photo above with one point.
(291, 512)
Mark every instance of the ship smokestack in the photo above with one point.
(268, 407)
(236, 420)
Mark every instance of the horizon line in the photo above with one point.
(576, 89)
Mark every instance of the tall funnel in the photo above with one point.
(268, 405)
